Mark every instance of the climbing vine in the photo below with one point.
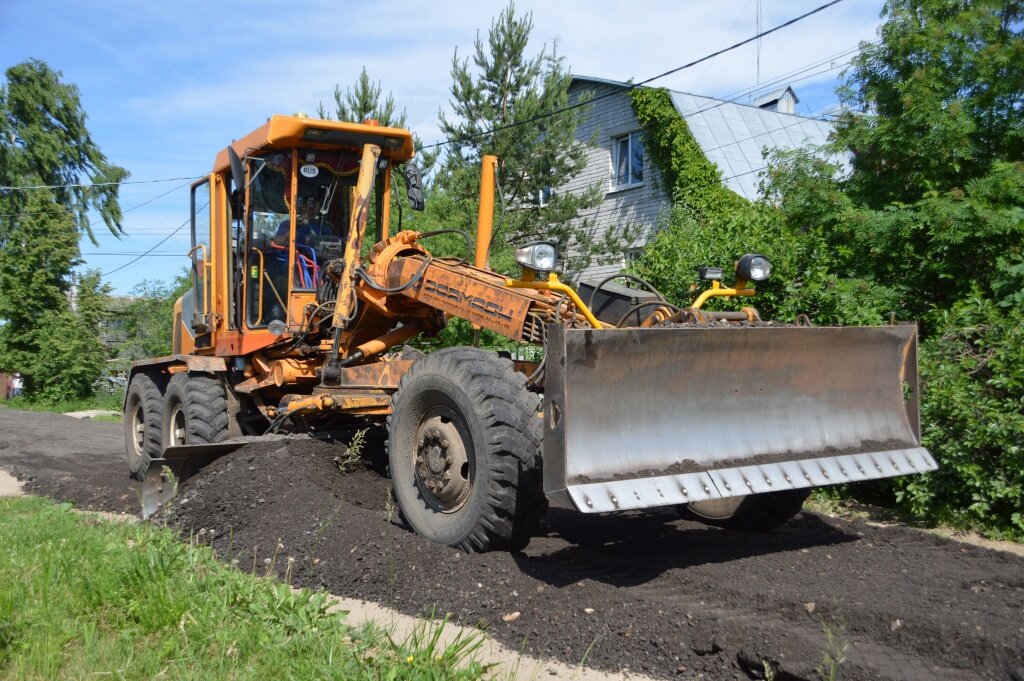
(686, 174)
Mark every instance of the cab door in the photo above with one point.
(199, 317)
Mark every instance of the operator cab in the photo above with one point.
(292, 236)
(275, 210)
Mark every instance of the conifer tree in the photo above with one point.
(44, 142)
(515, 105)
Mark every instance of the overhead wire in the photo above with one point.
(86, 185)
(632, 86)
(146, 253)
(500, 128)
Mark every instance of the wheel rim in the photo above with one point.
(443, 463)
(178, 431)
(137, 423)
(717, 509)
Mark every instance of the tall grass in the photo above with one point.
(81, 597)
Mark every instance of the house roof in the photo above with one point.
(732, 135)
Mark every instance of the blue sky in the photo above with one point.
(167, 85)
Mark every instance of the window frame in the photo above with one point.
(629, 138)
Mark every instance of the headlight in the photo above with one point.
(753, 267)
(540, 256)
(710, 273)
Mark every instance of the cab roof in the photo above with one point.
(299, 131)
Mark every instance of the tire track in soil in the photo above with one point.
(669, 597)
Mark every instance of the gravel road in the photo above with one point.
(647, 592)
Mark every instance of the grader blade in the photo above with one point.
(636, 418)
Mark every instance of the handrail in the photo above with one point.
(259, 319)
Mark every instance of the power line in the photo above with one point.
(62, 209)
(633, 86)
(789, 78)
(96, 184)
(140, 257)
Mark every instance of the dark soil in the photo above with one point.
(68, 459)
(648, 592)
(669, 598)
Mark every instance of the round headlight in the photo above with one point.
(277, 327)
(539, 255)
(753, 267)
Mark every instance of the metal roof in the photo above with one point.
(733, 135)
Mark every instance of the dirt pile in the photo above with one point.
(647, 592)
(268, 502)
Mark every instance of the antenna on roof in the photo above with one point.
(758, 45)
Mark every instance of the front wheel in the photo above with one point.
(752, 513)
(463, 447)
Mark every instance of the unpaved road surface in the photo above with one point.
(646, 592)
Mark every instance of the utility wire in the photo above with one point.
(629, 86)
(61, 209)
(731, 98)
(788, 78)
(633, 86)
(158, 244)
(96, 184)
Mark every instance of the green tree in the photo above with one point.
(49, 325)
(44, 140)
(146, 320)
(363, 101)
(936, 102)
(501, 99)
(366, 100)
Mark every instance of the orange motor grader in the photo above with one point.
(292, 326)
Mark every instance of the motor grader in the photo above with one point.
(295, 324)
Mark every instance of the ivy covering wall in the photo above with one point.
(687, 176)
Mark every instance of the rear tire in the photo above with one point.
(195, 410)
(755, 513)
(464, 451)
(143, 428)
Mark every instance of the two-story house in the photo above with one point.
(732, 135)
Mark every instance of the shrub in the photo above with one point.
(972, 411)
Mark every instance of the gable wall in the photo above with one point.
(640, 205)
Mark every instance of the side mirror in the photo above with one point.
(414, 186)
(237, 171)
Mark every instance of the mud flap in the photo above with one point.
(635, 418)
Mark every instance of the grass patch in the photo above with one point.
(99, 401)
(82, 597)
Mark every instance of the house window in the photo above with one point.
(629, 160)
(542, 197)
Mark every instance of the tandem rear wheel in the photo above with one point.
(464, 451)
(195, 410)
(143, 410)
